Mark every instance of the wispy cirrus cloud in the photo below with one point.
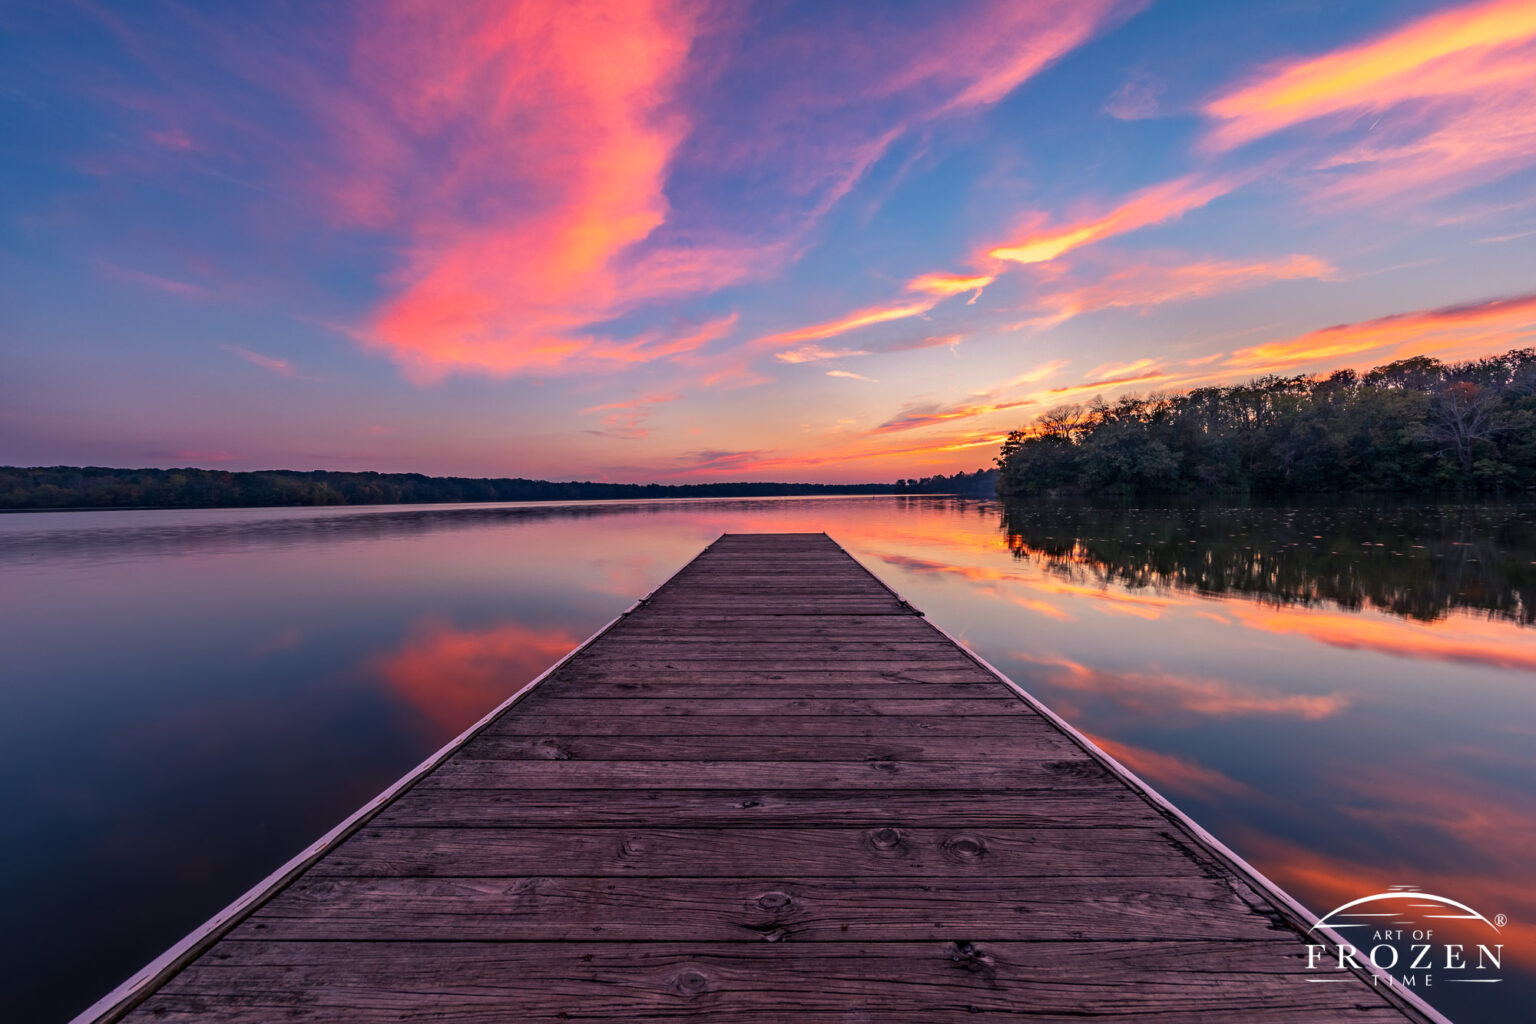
(850, 375)
(1447, 97)
(1463, 329)
(950, 284)
(1146, 285)
(556, 119)
(588, 112)
(734, 463)
(272, 364)
(928, 414)
(1041, 241)
(816, 353)
(1458, 52)
(626, 419)
(866, 317)
(154, 282)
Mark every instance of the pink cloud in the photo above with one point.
(556, 212)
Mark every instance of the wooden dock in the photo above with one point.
(771, 791)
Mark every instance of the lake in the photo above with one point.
(1341, 693)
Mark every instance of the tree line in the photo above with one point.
(983, 482)
(1415, 425)
(100, 487)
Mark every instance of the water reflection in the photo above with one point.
(1341, 694)
(449, 677)
(45, 537)
(1418, 561)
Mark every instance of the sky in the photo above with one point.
(694, 241)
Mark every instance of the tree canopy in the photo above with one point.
(1414, 425)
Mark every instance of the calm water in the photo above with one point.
(1343, 695)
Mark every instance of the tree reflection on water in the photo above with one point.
(1417, 561)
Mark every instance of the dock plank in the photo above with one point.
(738, 852)
(1154, 982)
(771, 791)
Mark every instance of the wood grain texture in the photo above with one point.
(829, 852)
(1151, 982)
(771, 792)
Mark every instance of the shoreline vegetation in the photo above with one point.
(1416, 426)
(40, 488)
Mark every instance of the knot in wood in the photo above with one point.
(965, 847)
(691, 982)
(774, 900)
(885, 838)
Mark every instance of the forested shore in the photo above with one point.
(102, 487)
(1416, 425)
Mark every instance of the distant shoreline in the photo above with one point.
(551, 503)
(95, 488)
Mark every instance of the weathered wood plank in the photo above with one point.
(949, 982)
(703, 808)
(894, 752)
(770, 723)
(798, 852)
(788, 686)
(770, 908)
(1066, 773)
(839, 708)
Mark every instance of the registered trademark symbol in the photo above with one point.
(1500, 920)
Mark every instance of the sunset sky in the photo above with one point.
(712, 241)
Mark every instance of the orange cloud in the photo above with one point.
(851, 375)
(1448, 96)
(1167, 201)
(1467, 50)
(1490, 325)
(452, 677)
(1146, 285)
(1095, 386)
(842, 325)
(1038, 373)
(1161, 694)
(949, 284)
